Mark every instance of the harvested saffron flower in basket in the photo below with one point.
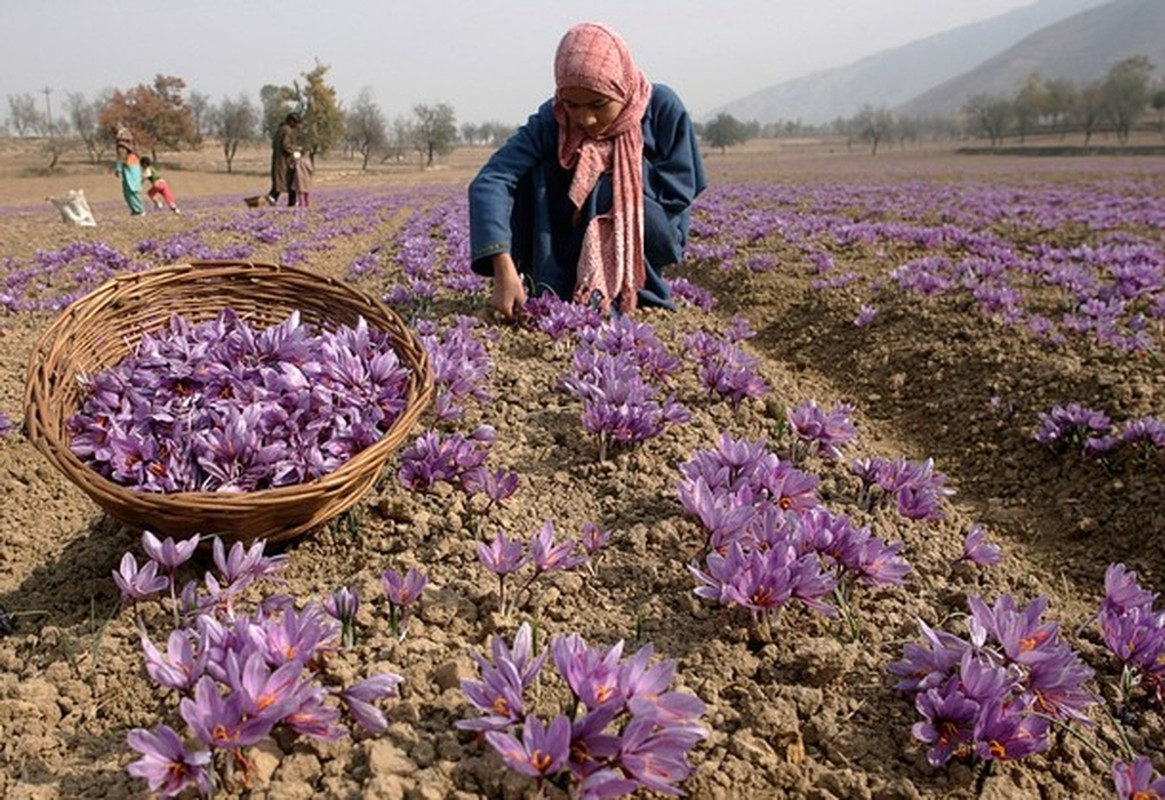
(219, 406)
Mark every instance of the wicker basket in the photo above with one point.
(102, 329)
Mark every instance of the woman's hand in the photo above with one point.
(509, 295)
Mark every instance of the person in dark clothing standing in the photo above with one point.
(285, 151)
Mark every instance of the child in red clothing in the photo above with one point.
(158, 186)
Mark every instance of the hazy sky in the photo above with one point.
(489, 59)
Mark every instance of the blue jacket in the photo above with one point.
(518, 202)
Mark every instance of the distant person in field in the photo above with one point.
(301, 187)
(159, 190)
(284, 153)
(590, 198)
(129, 169)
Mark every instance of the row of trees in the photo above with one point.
(164, 117)
(1115, 103)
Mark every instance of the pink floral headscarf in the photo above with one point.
(592, 56)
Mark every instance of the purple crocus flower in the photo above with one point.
(342, 605)
(136, 584)
(542, 751)
(590, 741)
(604, 784)
(593, 675)
(219, 721)
(169, 554)
(866, 315)
(550, 557)
(820, 430)
(497, 485)
(948, 723)
(297, 636)
(1005, 732)
(1122, 592)
(263, 692)
(1135, 781)
(1055, 681)
(502, 556)
(645, 689)
(166, 765)
(403, 590)
(594, 538)
(1021, 634)
(657, 757)
(927, 664)
(182, 666)
(977, 550)
(498, 696)
(242, 565)
(316, 718)
(359, 700)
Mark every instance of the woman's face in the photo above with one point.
(590, 111)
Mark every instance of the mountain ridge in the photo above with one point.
(895, 77)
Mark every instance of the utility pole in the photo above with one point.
(48, 109)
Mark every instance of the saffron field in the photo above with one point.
(874, 513)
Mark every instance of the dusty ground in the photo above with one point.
(795, 712)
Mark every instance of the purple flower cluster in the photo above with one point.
(1075, 427)
(820, 431)
(461, 365)
(620, 404)
(620, 335)
(454, 459)
(769, 541)
(6, 425)
(685, 291)
(559, 319)
(624, 730)
(241, 675)
(218, 406)
(723, 368)
(1134, 632)
(914, 488)
(505, 556)
(994, 694)
(1093, 434)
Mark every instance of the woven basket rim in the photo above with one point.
(52, 440)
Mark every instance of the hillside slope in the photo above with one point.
(1080, 48)
(895, 76)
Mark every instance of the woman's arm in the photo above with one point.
(491, 193)
(675, 170)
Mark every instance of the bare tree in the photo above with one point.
(1060, 96)
(1125, 93)
(873, 125)
(364, 126)
(991, 114)
(85, 119)
(24, 114)
(234, 122)
(1089, 109)
(1029, 105)
(400, 139)
(436, 130)
(201, 112)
